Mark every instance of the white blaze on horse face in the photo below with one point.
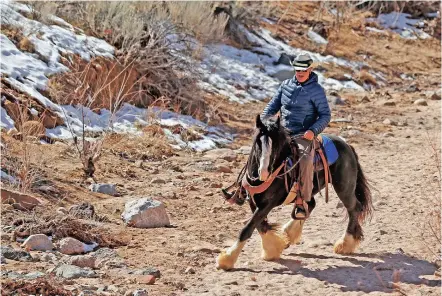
(264, 161)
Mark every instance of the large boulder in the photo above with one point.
(109, 189)
(145, 213)
(16, 255)
(72, 246)
(19, 201)
(73, 272)
(38, 242)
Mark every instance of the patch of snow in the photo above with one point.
(49, 42)
(8, 177)
(89, 248)
(34, 112)
(403, 24)
(6, 121)
(315, 37)
(432, 14)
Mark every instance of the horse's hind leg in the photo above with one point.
(293, 228)
(227, 259)
(273, 240)
(353, 235)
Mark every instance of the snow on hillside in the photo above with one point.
(403, 24)
(240, 75)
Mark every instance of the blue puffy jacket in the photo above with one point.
(303, 106)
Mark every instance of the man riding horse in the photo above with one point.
(304, 111)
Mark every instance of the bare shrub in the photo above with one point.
(22, 159)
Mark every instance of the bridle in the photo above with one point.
(257, 189)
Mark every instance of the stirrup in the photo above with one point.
(299, 201)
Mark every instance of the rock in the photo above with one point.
(48, 257)
(5, 236)
(216, 185)
(16, 255)
(389, 122)
(147, 271)
(38, 242)
(140, 292)
(145, 213)
(107, 257)
(343, 120)
(19, 200)
(189, 270)
(244, 150)
(389, 103)
(2, 260)
(382, 232)
(399, 251)
(412, 88)
(420, 102)
(285, 59)
(34, 275)
(350, 133)
(83, 211)
(109, 189)
(146, 279)
(72, 246)
(27, 276)
(388, 135)
(365, 99)
(224, 153)
(73, 272)
(157, 181)
(83, 261)
(223, 169)
(335, 100)
(435, 97)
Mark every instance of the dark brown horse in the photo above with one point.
(271, 147)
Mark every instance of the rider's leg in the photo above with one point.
(306, 155)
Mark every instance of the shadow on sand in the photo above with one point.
(367, 276)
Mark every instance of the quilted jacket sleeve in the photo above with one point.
(324, 115)
(274, 105)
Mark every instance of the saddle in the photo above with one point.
(320, 163)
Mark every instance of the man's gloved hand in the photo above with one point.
(309, 135)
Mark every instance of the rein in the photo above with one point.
(266, 184)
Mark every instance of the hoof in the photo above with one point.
(225, 261)
(273, 243)
(293, 230)
(346, 245)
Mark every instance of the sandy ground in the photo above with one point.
(397, 160)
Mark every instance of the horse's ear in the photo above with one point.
(259, 123)
(278, 121)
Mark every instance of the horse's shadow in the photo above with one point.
(366, 276)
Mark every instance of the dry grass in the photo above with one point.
(22, 158)
(46, 286)
(152, 145)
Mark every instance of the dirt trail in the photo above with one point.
(396, 158)
(397, 161)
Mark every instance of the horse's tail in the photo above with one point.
(362, 192)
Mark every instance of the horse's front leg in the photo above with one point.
(227, 259)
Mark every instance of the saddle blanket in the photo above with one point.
(330, 152)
